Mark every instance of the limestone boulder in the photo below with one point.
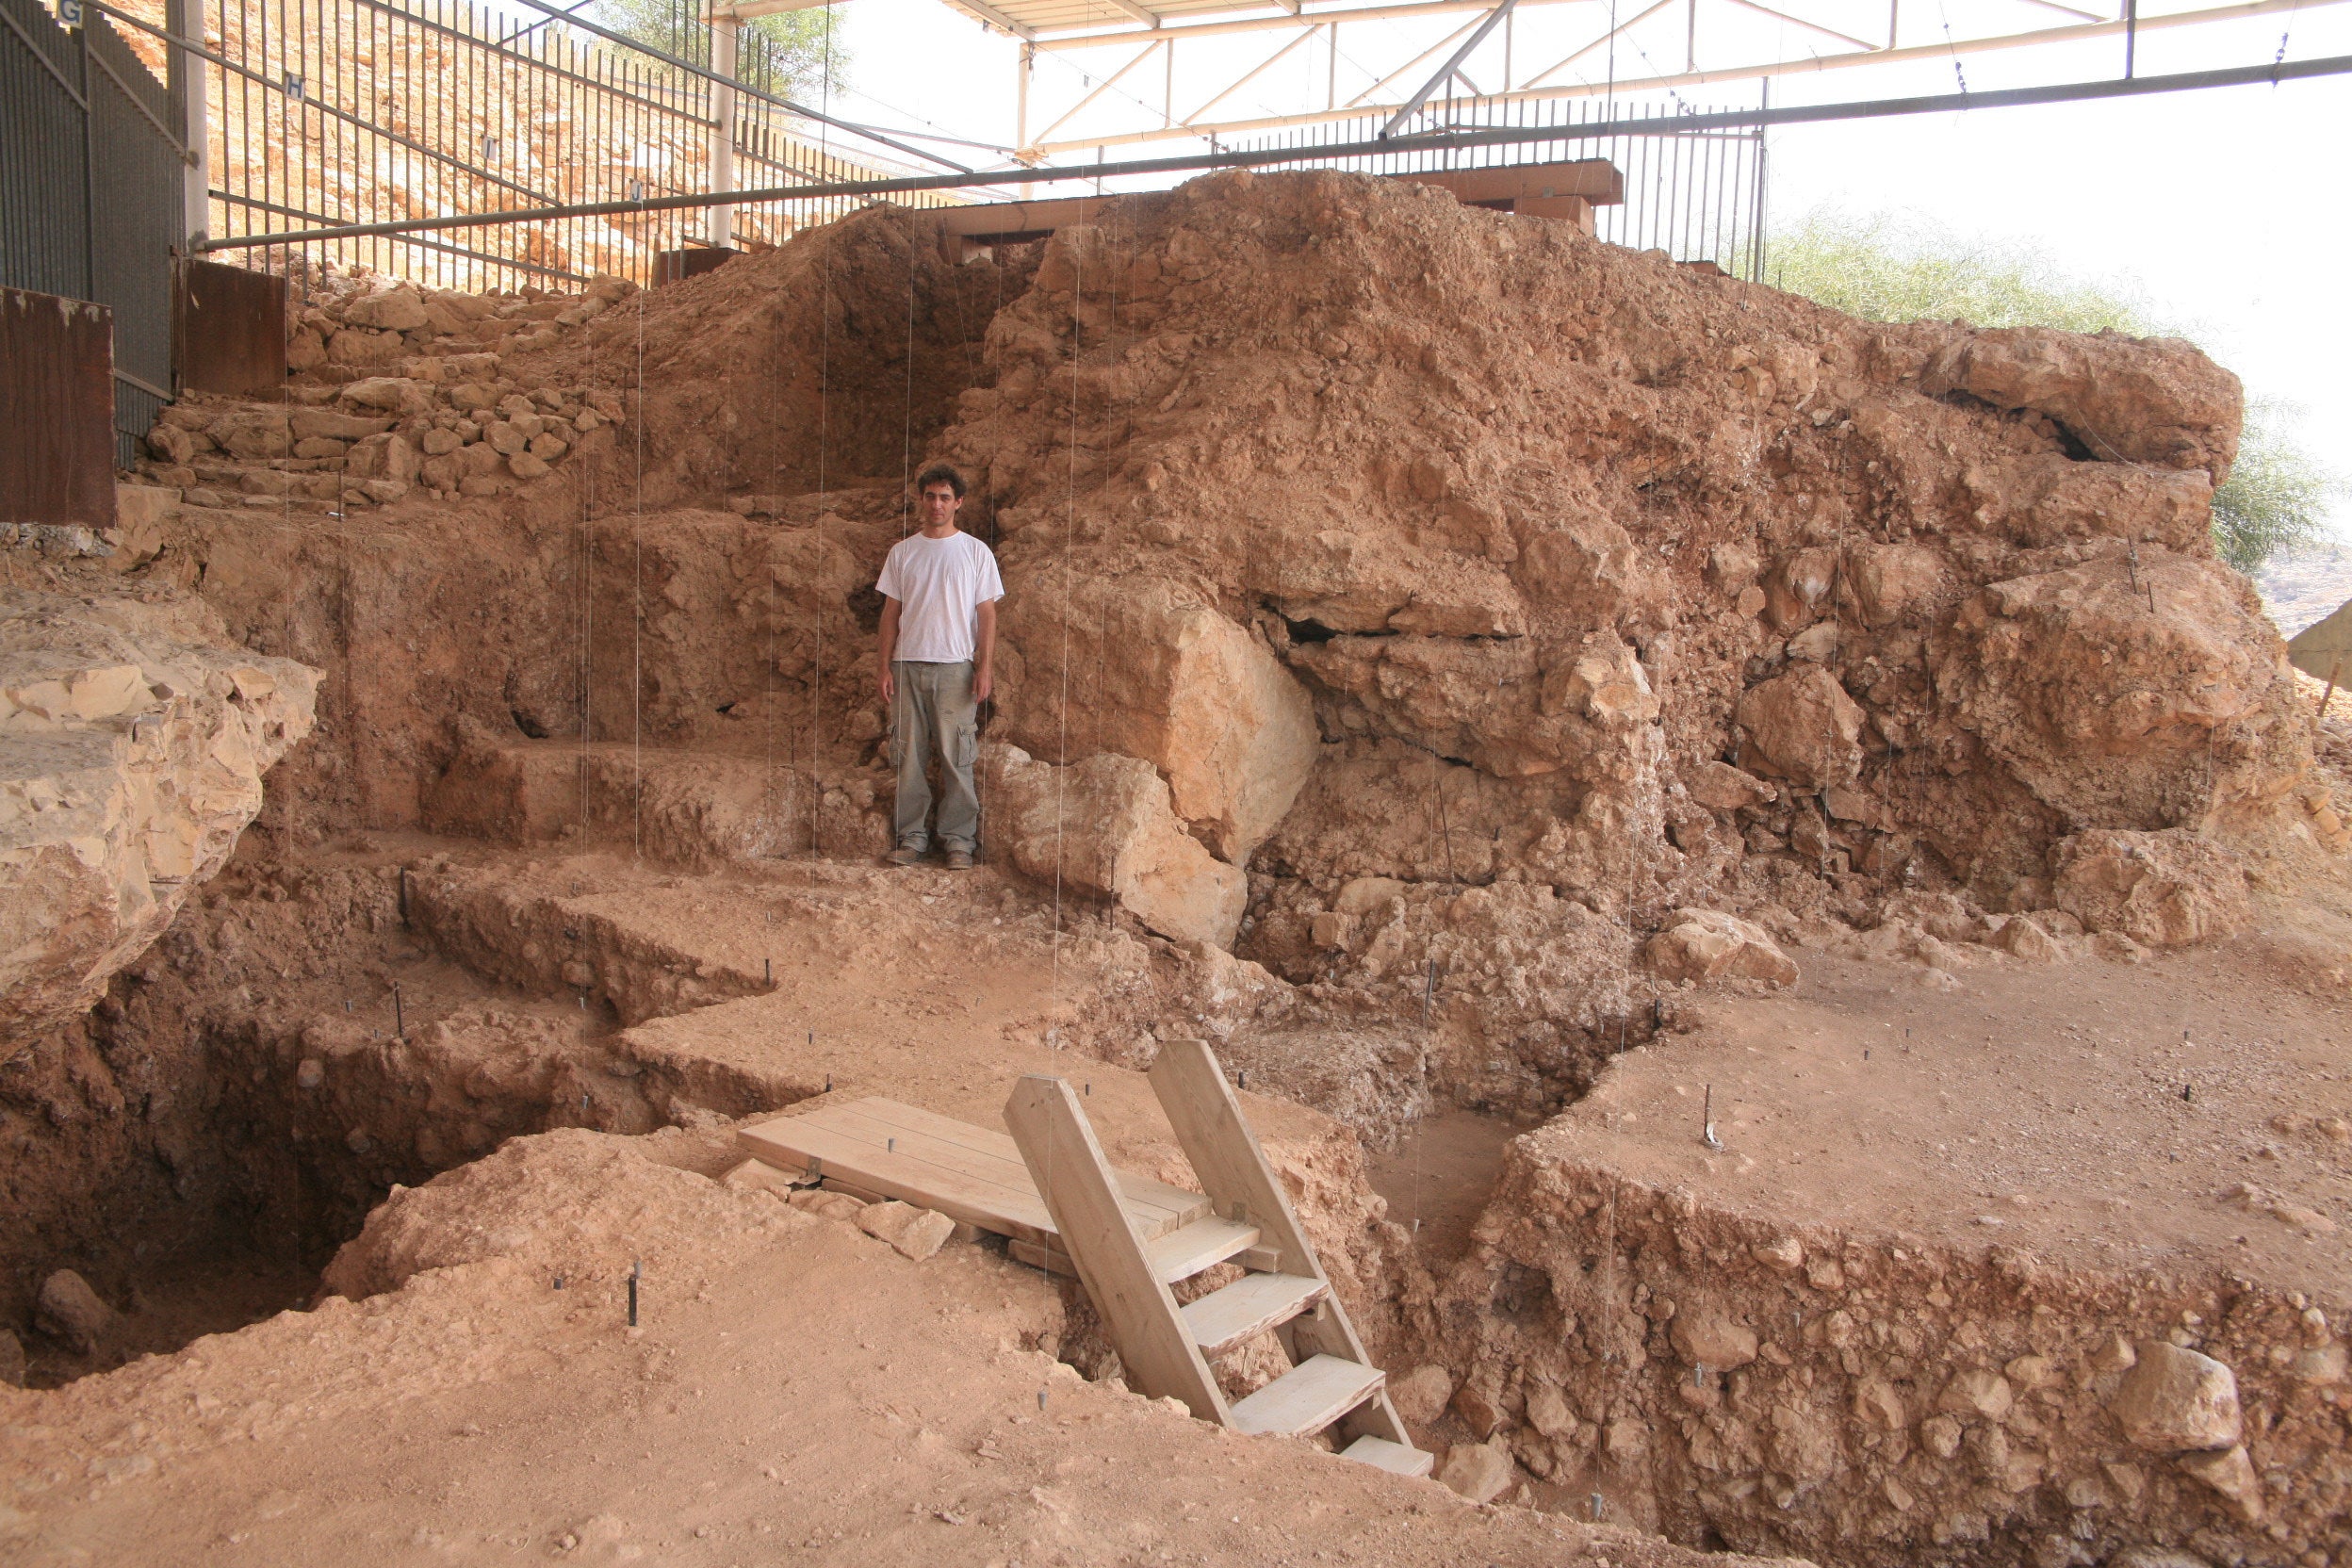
(1702, 945)
(133, 740)
(1420, 1395)
(2126, 400)
(2161, 890)
(916, 1234)
(2175, 1399)
(1482, 1472)
(398, 395)
(2126, 695)
(1720, 787)
(1107, 828)
(1512, 707)
(398, 309)
(1160, 674)
(1706, 1337)
(1803, 727)
(2230, 1472)
(69, 1310)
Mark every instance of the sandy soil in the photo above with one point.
(1438, 1176)
(2044, 1108)
(795, 1392)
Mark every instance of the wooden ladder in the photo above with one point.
(1166, 1347)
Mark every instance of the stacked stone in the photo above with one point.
(371, 442)
(350, 326)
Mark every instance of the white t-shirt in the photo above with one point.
(939, 585)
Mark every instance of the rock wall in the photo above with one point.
(134, 736)
(1877, 1400)
(1626, 583)
(1482, 596)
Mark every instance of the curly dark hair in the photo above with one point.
(941, 473)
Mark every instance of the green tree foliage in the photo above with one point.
(1886, 269)
(2276, 496)
(791, 54)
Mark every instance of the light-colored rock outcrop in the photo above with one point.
(1155, 673)
(1105, 828)
(2174, 1399)
(1706, 945)
(133, 740)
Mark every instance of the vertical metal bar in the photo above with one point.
(1757, 214)
(89, 169)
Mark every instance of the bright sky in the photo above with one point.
(2223, 209)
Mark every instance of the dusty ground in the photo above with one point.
(2036, 1107)
(796, 1389)
(796, 1393)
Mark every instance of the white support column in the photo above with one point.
(720, 230)
(1021, 97)
(187, 73)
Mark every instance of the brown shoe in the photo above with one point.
(905, 855)
(959, 859)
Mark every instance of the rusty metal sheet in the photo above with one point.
(228, 330)
(56, 410)
(693, 262)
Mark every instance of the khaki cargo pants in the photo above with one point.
(933, 713)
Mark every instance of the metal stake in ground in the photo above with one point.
(636, 1271)
(400, 1023)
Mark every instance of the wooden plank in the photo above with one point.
(1249, 1307)
(1163, 1207)
(1052, 1258)
(1394, 1458)
(1224, 1152)
(1203, 1243)
(905, 1174)
(1206, 1116)
(1067, 1162)
(967, 1172)
(1307, 1399)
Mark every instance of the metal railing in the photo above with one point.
(90, 179)
(1698, 195)
(329, 112)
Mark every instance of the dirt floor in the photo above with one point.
(1782, 919)
(2189, 1113)
(797, 1390)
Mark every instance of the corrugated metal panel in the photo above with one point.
(44, 170)
(89, 193)
(135, 201)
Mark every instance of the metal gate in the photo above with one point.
(90, 191)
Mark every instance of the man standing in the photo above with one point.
(938, 590)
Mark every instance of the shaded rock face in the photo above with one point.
(1104, 827)
(133, 740)
(1654, 587)
(1396, 539)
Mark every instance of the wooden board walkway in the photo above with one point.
(877, 1147)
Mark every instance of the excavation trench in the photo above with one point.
(294, 1050)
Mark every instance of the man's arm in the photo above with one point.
(984, 654)
(888, 645)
